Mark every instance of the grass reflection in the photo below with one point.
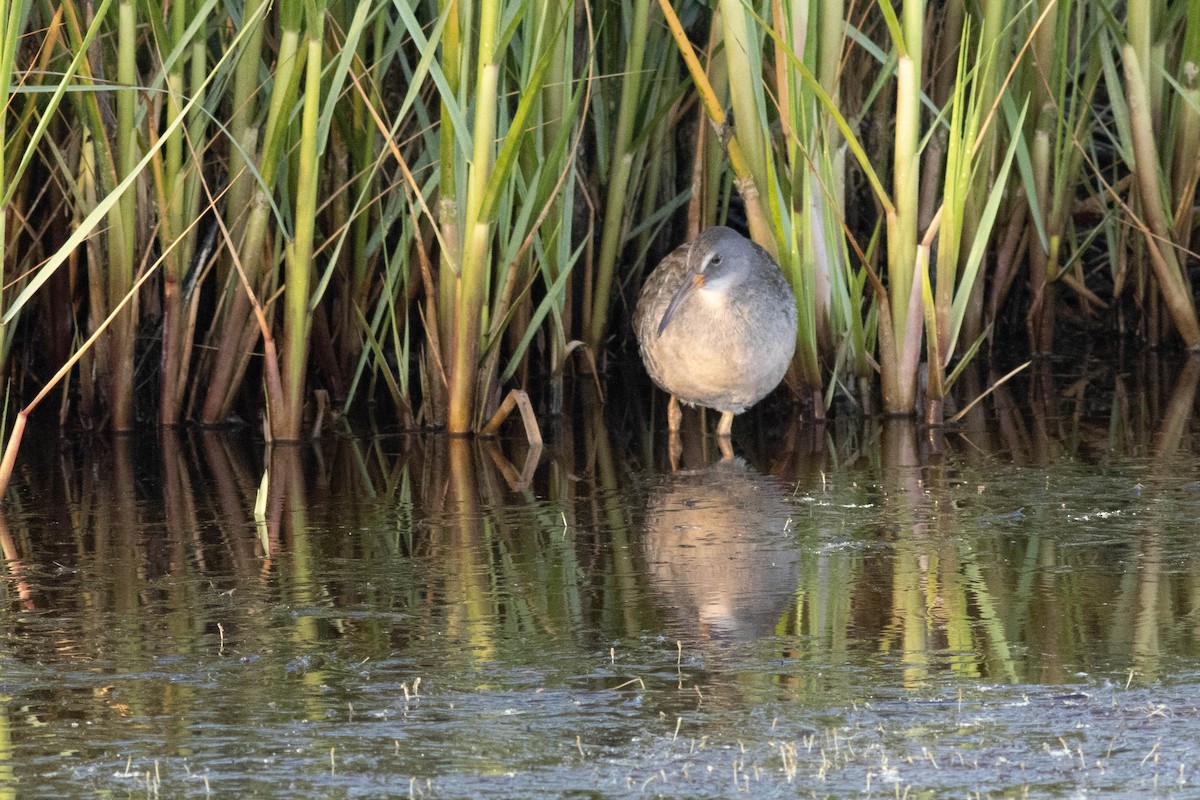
(1048, 542)
(841, 578)
(8, 781)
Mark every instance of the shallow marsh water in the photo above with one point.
(862, 609)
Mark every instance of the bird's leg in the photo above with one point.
(725, 427)
(726, 448)
(674, 414)
(674, 449)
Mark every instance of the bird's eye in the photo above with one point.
(716, 261)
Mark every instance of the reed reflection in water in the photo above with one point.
(1051, 543)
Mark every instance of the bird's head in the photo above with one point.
(717, 261)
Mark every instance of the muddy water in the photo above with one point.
(862, 609)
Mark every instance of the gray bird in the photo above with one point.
(716, 325)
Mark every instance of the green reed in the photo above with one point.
(490, 240)
(182, 50)
(242, 317)
(1149, 72)
(439, 201)
(620, 167)
(19, 139)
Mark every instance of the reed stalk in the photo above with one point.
(455, 45)
(744, 62)
(100, 210)
(235, 327)
(472, 283)
(358, 136)
(959, 260)
(898, 367)
(122, 223)
(104, 164)
(244, 122)
(815, 257)
(177, 180)
(614, 223)
(1185, 124)
(14, 17)
(1172, 281)
(510, 192)
(540, 247)
(1049, 82)
(10, 37)
(287, 425)
(990, 20)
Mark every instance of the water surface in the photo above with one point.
(861, 609)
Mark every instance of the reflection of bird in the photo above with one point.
(716, 325)
(718, 551)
